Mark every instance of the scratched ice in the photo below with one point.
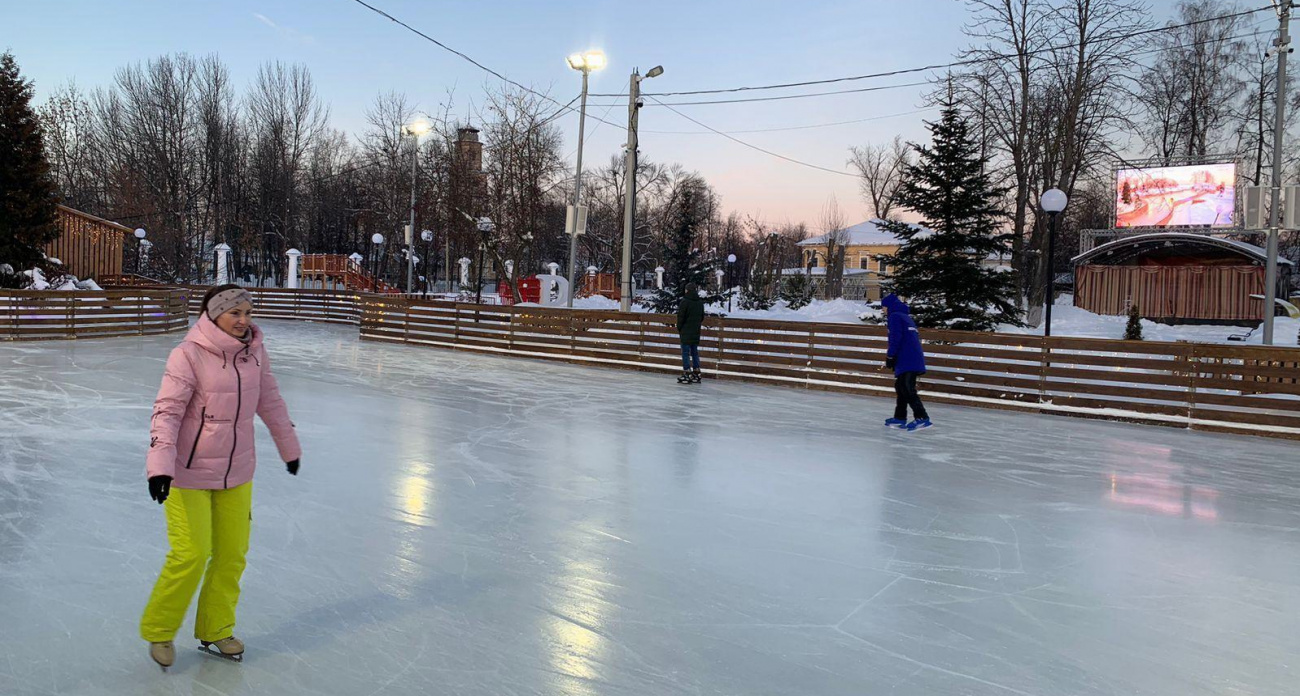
(481, 525)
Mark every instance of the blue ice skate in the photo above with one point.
(896, 423)
(919, 424)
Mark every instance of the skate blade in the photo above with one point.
(217, 653)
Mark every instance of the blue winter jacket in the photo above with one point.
(904, 339)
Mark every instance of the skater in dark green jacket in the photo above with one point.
(690, 315)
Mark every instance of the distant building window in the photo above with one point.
(863, 263)
(812, 263)
(881, 267)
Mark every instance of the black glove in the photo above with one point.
(890, 362)
(159, 487)
(292, 467)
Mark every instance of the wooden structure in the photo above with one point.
(286, 303)
(603, 284)
(1176, 277)
(29, 315)
(1225, 388)
(339, 272)
(89, 247)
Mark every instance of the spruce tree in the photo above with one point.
(942, 274)
(27, 194)
(1133, 331)
(797, 291)
(685, 263)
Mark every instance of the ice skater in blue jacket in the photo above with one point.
(907, 359)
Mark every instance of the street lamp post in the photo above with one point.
(584, 63)
(430, 261)
(485, 227)
(139, 236)
(731, 262)
(377, 240)
(1053, 202)
(415, 130)
(629, 183)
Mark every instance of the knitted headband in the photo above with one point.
(227, 300)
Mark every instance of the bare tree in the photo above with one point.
(837, 239)
(881, 170)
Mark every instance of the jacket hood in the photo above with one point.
(893, 304)
(207, 335)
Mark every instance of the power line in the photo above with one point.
(954, 64)
(793, 128)
(794, 96)
(749, 145)
(463, 56)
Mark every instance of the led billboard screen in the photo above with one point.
(1201, 194)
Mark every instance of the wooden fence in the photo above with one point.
(1223, 388)
(27, 315)
(337, 307)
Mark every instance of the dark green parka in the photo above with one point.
(690, 315)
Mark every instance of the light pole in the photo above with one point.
(1283, 47)
(430, 262)
(377, 240)
(415, 130)
(731, 262)
(584, 63)
(485, 227)
(139, 237)
(1053, 202)
(629, 183)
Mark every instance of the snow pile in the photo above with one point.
(1068, 320)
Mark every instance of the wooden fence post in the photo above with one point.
(1192, 360)
(1044, 365)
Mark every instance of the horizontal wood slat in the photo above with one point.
(27, 315)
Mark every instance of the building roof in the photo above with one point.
(867, 233)
(1127, 247)
(92, 218)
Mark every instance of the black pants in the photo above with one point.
(905, 387)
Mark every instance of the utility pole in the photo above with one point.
(1283, 47)
(629, 189)
(629, 182)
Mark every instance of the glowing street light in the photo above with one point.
(584, 63)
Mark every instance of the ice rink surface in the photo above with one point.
(478, 525)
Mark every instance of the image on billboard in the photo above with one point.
(1199, 194)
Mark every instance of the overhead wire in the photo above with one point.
(953, 64)
(751, 146)
(462, 55)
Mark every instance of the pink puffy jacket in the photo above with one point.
(202, 431)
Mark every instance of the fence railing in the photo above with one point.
(1229, 388)
(338, 307)
(27, 315)
(1203, 386)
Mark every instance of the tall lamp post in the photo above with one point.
(731, 263)
(1053, 202)
(378, 241)
(629, 183)
(584, 63)
(139, 241)
(415, 130)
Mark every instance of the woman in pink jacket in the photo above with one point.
(200, 468)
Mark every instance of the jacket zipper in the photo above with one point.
(202, 419)
(239, 402)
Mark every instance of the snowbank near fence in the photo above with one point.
(1067, 320)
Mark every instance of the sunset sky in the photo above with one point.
(354, 54)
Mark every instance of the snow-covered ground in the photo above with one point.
(479, 525)
(1067, 320)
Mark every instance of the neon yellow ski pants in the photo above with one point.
(201, 525)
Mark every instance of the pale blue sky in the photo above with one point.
(355, 54)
